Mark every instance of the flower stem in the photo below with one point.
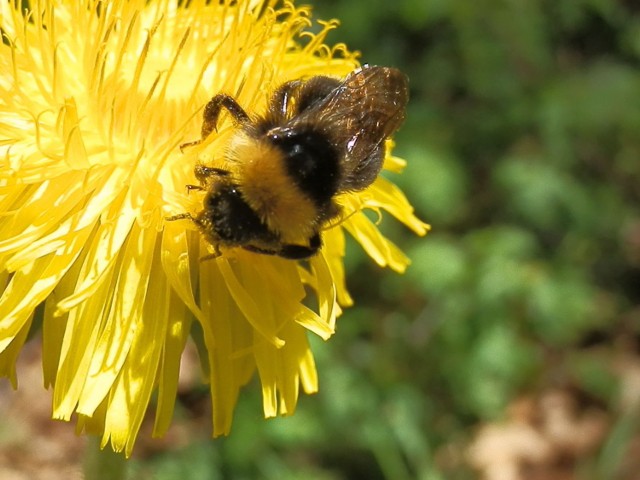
(103, 464)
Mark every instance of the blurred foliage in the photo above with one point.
(523, 144)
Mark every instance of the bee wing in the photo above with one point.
(358, 115)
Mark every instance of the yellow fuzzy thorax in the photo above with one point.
(258, 168)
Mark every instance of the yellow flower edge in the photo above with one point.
(95, 98)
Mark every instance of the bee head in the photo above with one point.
(228, 217)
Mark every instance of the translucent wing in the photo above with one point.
(358, 115)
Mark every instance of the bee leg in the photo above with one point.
(212, 112)
(197, 221)
(180, 216)
(300, 252)
(187, 216)
(212, 256)
(281, 97)
(194, 187)
(263, 251)
(189, 144)
(203, 172)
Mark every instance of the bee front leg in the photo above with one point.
(180, 216)
(187, 216)
(203, 172)
(197, 220)
(212, 112)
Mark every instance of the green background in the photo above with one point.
(523, 144)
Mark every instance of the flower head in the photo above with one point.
(95, 99)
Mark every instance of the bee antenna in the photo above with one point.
(338, 221)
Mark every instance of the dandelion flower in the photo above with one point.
(95, 99)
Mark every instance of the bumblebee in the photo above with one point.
(318, 138)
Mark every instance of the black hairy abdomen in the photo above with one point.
(312, 162)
